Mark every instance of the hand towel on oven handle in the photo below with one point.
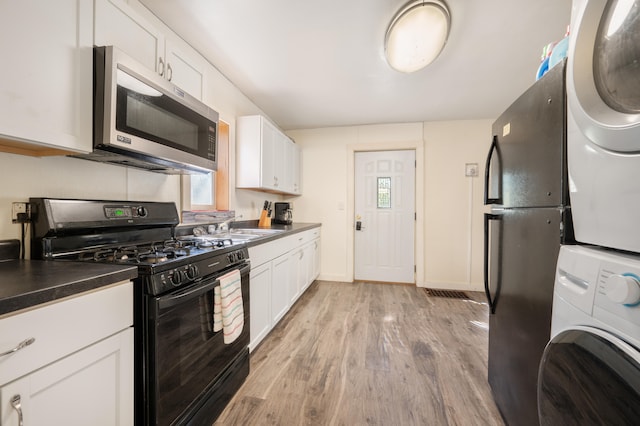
(228, 311)
(217, 310)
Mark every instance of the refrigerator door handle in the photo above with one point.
(487, 290)
(487, 174)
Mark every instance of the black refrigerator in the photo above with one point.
(527, 187)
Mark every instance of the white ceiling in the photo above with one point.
(311, 64)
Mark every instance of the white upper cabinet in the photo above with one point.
(184, 67)
(294, 170)
(265, 157)
(118, 24)
(46, 84)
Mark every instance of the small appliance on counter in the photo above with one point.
(9, 250)
(283, 214)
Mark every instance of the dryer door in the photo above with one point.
(588, 376)
(603, 73)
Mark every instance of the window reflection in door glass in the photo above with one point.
(384, 192)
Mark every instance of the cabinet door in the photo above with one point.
(184, 67)
(118, 25)
(296, 187)
(315, 262)
(91, 387)
(260, 296)
(287, 164)
(309, 253)
(280, 288)
(46, 85)
(297, 274)
(269, 152)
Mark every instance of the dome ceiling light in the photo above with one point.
(416, 35)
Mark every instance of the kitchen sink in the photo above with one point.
(249, 234)
(255, 231)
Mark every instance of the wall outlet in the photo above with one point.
(19, 212)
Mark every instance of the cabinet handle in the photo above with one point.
(15, 402)
(160, 67)
(169, 72)
(21, 345)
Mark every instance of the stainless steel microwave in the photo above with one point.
(144, 121)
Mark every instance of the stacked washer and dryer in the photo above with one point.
(590, 370)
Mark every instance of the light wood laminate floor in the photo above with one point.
(370, 354)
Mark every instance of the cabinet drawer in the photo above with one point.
(268, 251)
(62, 328)
(303, 238)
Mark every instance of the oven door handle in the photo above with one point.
(174, 299)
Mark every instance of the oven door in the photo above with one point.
(185, 357)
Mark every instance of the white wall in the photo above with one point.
(22, 177)
(454, 203)
(450, 230)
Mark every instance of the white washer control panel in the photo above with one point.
(602, 284)
(617, 300)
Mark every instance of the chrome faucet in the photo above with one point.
(224, 226)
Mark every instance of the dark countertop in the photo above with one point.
(27, 283)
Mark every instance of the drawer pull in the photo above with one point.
(21, 345)
(15, 402)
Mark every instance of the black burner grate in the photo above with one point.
(452, 294)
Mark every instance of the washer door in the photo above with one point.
(603, 73)
(588, 376)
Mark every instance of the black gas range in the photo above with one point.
(185, 372)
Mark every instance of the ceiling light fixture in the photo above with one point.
(417, 34)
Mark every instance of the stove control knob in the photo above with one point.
(230, 257)
(624, 289)
(240, 255)
(142, 211)
(192, 272)
(177, 277)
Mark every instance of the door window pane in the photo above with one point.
(384, 192)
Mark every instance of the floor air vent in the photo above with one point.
(452, 294)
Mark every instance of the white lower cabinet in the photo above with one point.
(78, 368)
(297, 274)
(283, 270)
(91, 387)
(280, 301)
(260, 309)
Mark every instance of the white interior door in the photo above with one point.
(385, 216)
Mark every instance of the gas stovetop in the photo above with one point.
(173, 250)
